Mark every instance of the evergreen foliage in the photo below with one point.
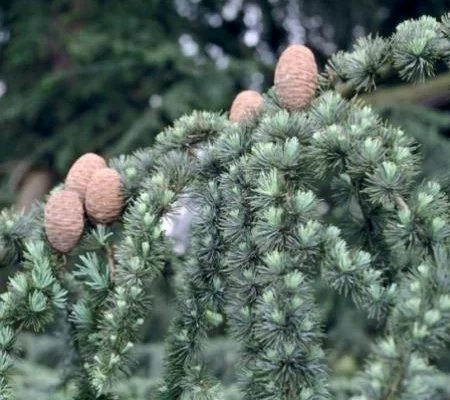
(413, 52)
(262, 248)
(79, 76)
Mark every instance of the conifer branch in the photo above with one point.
(34, 296)
(207, 288)
(141, 254)
(412, 52)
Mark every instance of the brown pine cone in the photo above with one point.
(104, 198)
(81, 172)
(247, 104)
(64, 220)
(296, 77)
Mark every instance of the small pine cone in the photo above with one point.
(81, 172)
(296, 77)
(104, 198)
(246, 104)
(64, 220)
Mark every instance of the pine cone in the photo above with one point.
(296, 77)
(104, 198)
(81, 173)
(246, 105)
(64, 220)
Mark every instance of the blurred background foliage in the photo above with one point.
(108, 75)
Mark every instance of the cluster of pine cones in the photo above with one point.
(93, 187)
(295, 81)
(90, 186)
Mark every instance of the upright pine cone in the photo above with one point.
(64, 220)
(81, 172)
(104, 198)
(246, 104)
(296, 77)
